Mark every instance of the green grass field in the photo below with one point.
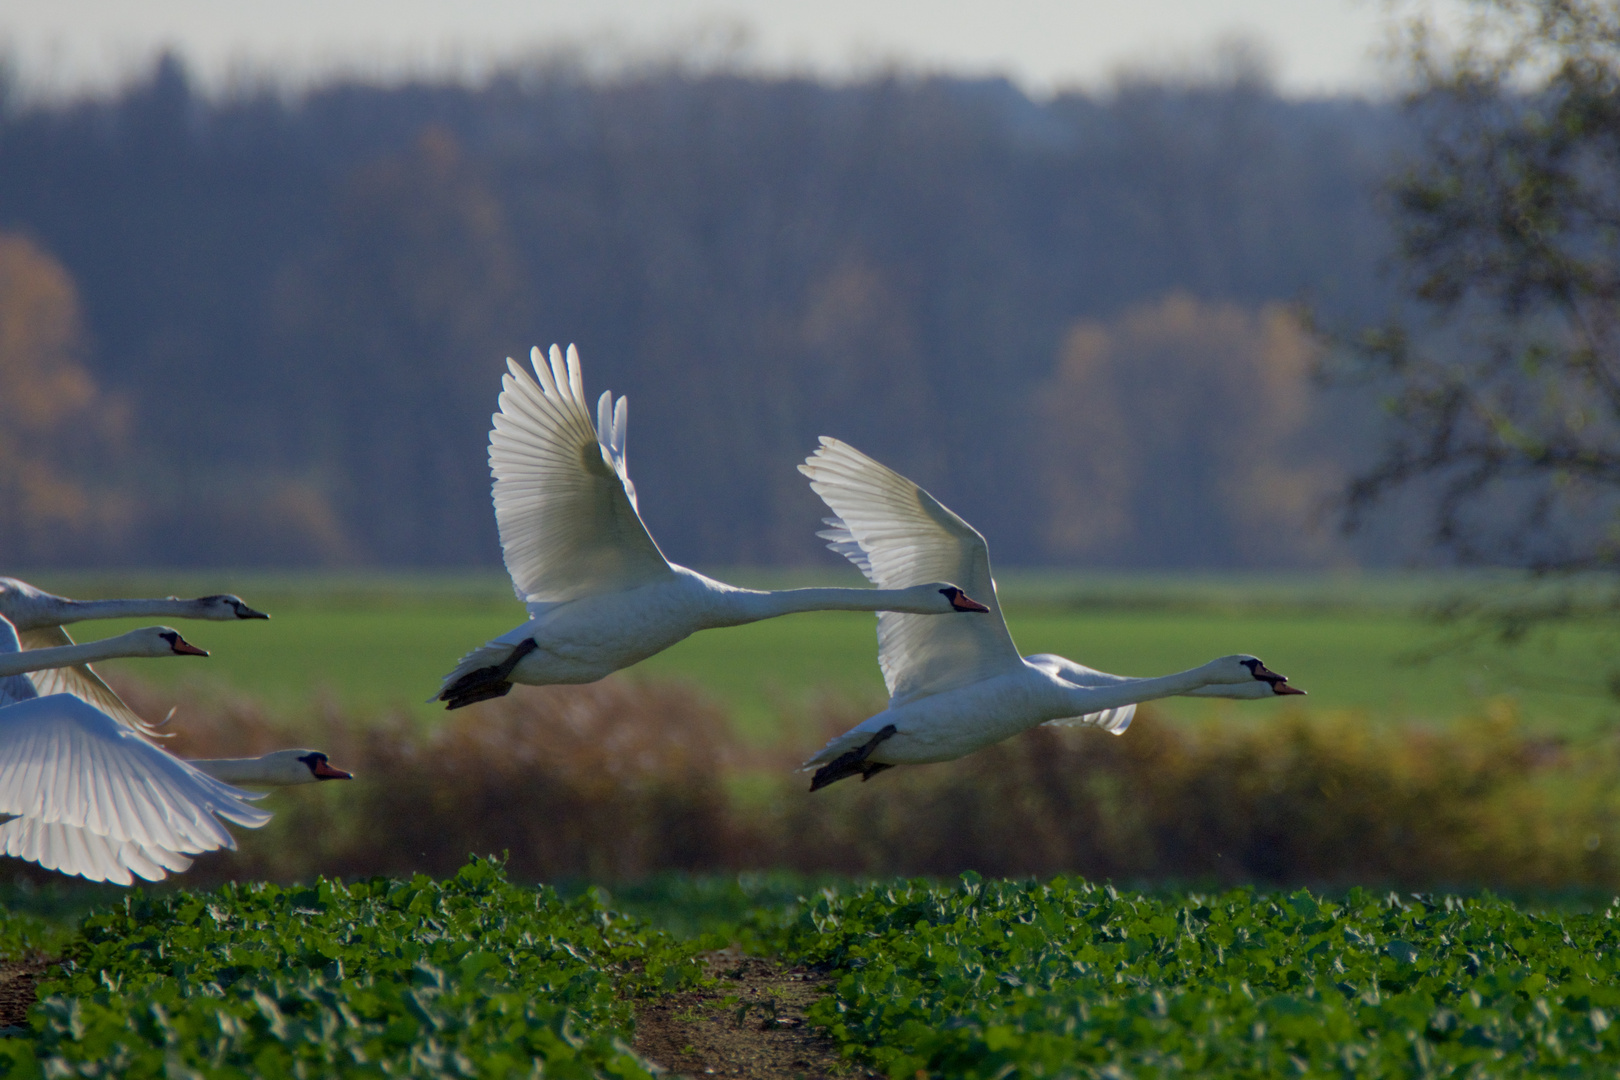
(376, 642)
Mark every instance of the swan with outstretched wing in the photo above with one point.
(959, 685)
(600, 594)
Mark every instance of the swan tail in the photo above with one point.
(483, 673)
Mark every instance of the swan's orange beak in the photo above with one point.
(1284, 688)
(182, 647)
(961, 601)
(323, 771)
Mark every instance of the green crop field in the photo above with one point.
(473, 976)
(376, 642)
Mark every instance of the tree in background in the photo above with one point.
(306, 298)
(415, 289)
(1504, 378)
(51, 415)
(1503, 374)
(1170, 437)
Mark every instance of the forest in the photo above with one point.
(267, 329)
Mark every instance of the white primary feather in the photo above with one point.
(563, 501)
(89, 855)
(63, 761)
(899, 536)
(1114, 721)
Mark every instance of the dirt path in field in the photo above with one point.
(17, 980)
(762, 1035)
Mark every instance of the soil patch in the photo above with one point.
(749, 1025)
(17, 980)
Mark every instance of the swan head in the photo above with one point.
(157, 641)
(1251, 675)
(223, 607)
(286, 768)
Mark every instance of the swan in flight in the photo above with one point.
(601, 596)
(959, 685)
(92, 797)
(38, 618)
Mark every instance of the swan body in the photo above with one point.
(38, 618)
(959, 685)
(91, 796)
(600, 594)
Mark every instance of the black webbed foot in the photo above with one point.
(853, 761)
(483, 692)
(486, 682)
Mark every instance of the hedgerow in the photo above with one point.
(1070, 979)
(472, 976)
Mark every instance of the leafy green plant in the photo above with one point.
(471, 976)
(1069, 979)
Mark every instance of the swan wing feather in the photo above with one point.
(1114, 721)
(64, 761)
(71, 850)
(563, 499)
(900, 536)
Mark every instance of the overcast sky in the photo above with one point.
(1316, 46)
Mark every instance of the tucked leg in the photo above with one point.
(853, 761)
(486, 682)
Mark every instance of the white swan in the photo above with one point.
(94, 798)
(38, 618)
(601, 596)
(958, 685)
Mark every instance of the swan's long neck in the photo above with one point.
(266, 770)
(21, 663)
(62, 610)
(1133, 691)
(738, 606)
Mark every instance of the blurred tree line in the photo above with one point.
(269, 330)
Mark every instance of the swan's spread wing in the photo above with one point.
(80, 680)
(1114, 720)
(70, 850)
(563, 499)
(899, 536)
(63, 761)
